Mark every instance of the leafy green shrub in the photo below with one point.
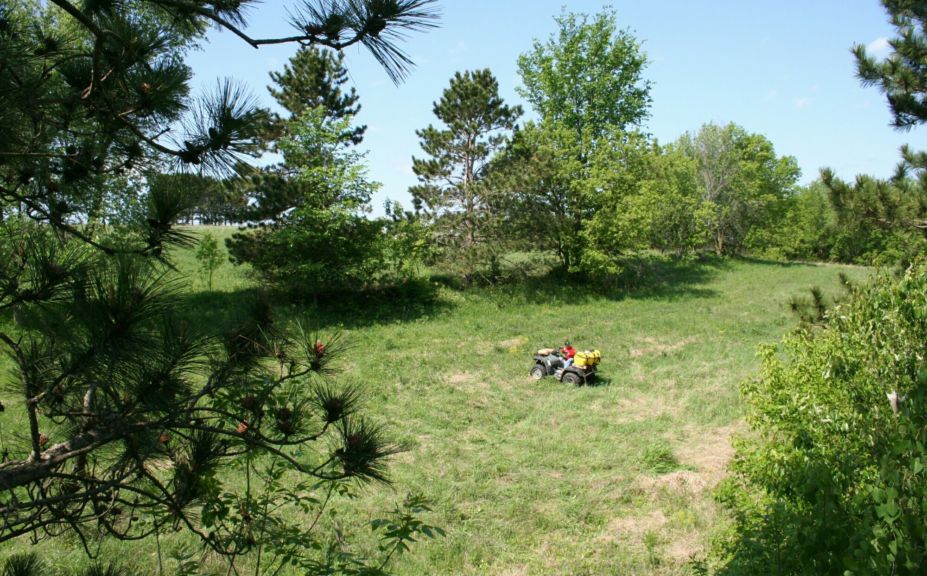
(333, 250)
(835, 479)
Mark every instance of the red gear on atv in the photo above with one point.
(568, 351)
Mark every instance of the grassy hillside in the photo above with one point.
(537, 477)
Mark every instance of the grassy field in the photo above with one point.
(537, 477)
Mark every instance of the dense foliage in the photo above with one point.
(321, 241)
(743, 184)
(652, 202)
(835, 483)
(722, 188)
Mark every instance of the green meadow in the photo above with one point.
(537, 477)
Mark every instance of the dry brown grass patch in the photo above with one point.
(649, 405)
(708, 451)
(632, 528)
(685, 547)
(512, 343)
(466, 382)
(679, 481)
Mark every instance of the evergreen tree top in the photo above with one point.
(902, 76)
(312, 78)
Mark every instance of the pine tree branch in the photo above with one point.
(22, 472)
(79, 16)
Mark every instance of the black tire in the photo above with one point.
(538, 372)
(572, 378)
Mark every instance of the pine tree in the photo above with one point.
(896, 207)
(134, 413)
(453, 180)
(323, 185)
(903, 75)
(309, 84)
(299, 208)
(314, 78)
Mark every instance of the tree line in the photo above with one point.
(583, 180)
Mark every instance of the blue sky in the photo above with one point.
(782, 69)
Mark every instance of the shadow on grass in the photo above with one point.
(223, 311)
(778, 263)
(599, 381)
(218, 312)
(644, 278)
(406, 302)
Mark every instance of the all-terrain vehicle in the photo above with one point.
(549, 362)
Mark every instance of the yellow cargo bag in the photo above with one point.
(587, 358)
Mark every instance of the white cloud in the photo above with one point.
(771, 95)
(460, 48)
(803, 102)
(878, 47)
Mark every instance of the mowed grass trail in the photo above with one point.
(535, 477)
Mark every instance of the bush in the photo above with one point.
(333, 251)
(833, 481)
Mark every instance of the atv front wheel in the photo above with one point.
(538, 372)
(572, 378)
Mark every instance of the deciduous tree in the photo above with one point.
(588, 76)
(742, 181)
(586, 84)
(545, 203)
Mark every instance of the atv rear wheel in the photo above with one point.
(572, 378)
(538, 372)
